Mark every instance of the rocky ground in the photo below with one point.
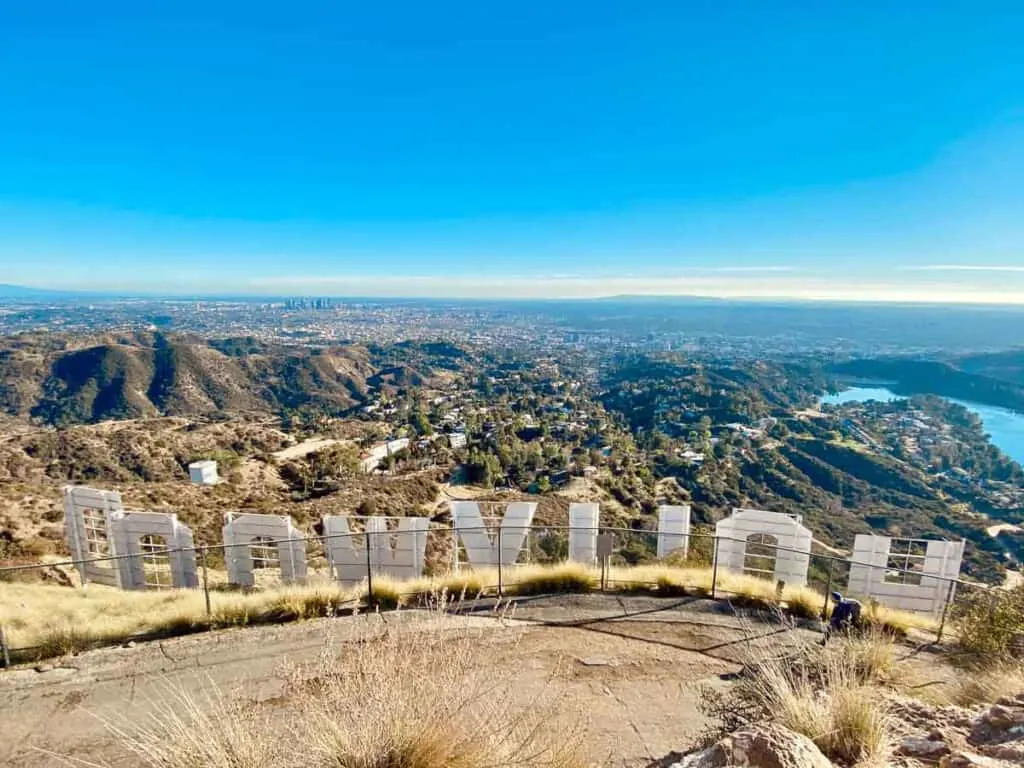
(990, 736)
(955, 737)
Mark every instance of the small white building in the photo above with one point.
(457, 440)
(691, 456)
(203, 472)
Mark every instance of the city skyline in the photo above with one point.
(582, 151)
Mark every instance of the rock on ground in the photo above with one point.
(992, 737)
(759, 746)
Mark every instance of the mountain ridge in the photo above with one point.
(121, 376)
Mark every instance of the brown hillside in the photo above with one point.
(135, 375)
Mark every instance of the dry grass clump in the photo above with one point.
(894, 621)
(870, 656)
(988, 684)
(415, 691)
(669, 578)
(386, 595)
(565, 577)
(803, 602)
(202, 730)
(832, 695)
(48, 620)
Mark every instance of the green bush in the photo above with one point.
(989, 622)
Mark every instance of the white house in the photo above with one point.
(203, 472)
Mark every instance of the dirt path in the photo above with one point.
(635, 664)
(307, 447)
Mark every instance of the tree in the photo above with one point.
(336, 461)
(482, 468)
(543, 484)
(298, 475)
(558, 461)
(421, 424)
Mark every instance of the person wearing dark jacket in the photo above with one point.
(845, 613)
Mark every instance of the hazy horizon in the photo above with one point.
(505, 292)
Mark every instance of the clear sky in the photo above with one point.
(870, 150)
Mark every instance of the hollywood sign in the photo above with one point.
(770, 545)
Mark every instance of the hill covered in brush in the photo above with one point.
(121, 376)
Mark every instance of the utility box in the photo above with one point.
(203, 472)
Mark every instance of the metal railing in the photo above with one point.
(541, 545)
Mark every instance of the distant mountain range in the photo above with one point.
(8, 291)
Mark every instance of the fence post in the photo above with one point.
(370, 598)
(501, 587)
(605, 547)
(206, 588)
(945, 611)
(5, 653)
(455, 548)
(828, 590)
(714, 571)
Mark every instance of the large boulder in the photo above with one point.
(759, 746)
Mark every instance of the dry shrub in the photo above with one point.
(42, 620)
(869, 655)
(803, 602)
(471, 583)
(895, 622)
(832, 695)
(987, 684)
(412, 690)
(205, 730)
(860, 728)
(990, 622)
(670, 587)
(566, 577)
(432, 699)
(386, 595)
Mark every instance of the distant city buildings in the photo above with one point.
(318, 304)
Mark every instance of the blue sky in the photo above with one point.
(818, 150)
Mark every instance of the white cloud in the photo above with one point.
(777, 268)
(966, 268)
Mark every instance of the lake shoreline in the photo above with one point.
(1004, 426)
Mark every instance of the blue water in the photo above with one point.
(1005, 428)
(861, 395)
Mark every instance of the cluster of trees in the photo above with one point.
(657, 392)
(322, 471)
